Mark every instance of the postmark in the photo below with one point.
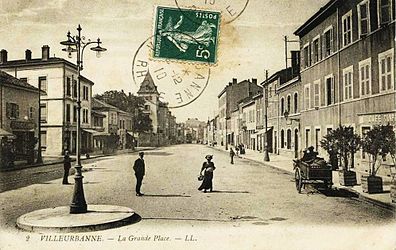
(230, 9)
(175, 84)
(186, 34)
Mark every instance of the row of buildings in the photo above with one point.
(344, 75)
(105, 128)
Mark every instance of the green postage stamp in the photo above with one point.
(186, 34)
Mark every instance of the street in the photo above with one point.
(243, 191)
(245, 194)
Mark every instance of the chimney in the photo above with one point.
(234, 81)
(254, 81)
(295, 60)
(3, 56)
(45, 52)
(28, 55)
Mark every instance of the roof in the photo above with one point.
(11, 81)
(98, 104)
(148, 86)
(284, 75)
(40, 62)
(96, 113)
(317, 18)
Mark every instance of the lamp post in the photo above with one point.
(265, 96)
(77, 44)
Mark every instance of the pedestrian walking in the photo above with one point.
(139, 168)
(237, 151)
(66, 167)
(207, 168)
(232, 154)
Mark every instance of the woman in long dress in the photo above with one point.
(207, 169)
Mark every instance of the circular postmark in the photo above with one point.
(230, 9)
(163, 82)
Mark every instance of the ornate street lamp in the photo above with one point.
(78, 44)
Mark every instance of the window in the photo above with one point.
(68, 87)
(67, 112)
(85, 116)
(147, 107)
(307, 137)
(328, 42)
(282, 106)
(30, 112)
(316, 50)
(364, 18)
(307, 55)
(288, 103)
(288, 139)
(328, 130)
(317, 93)
(43, 84)
(43, 112)
(75, 88)
(282, 138)
(317, 138)
(12, 110)
(85, 93)
(386, 76)
(295, 103)
(74, 113)
(365, 77)
(307, 99)
(384, 9)
(43, 137)
(348, 83)
(330, 96)
(347, 28)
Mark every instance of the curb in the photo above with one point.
(364, 198)
(58, 219)
(73, 160)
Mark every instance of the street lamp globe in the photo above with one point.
(98, 49)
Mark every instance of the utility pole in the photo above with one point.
(265, 103)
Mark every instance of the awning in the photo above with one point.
(4, 133)
(96, 133)
(130, 133)
(261, 131)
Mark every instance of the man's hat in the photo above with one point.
(209, 157)
(141, 153)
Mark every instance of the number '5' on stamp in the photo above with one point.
(186, 34)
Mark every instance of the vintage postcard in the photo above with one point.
(197, 124)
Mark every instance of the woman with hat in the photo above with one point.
(208, 168)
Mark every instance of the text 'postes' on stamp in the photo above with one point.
(186, 34)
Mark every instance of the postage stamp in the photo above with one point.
(230, 9)
(186, 34)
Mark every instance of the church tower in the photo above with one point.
(149, 91)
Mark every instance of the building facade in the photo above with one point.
(58, 81)
(19, 104)
(347, 73)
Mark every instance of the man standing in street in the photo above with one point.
(139, 169)
(232, 154)
(66, 167)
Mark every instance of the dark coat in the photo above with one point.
(139, 167)
(66, 162)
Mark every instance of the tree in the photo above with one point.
(378, 142)
(343, 143)
(129, 103)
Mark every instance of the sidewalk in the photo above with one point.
(285, 163)
(51, 160)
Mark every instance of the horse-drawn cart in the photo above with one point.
(312, 171)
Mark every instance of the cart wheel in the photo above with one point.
(298, 179)
(328, 184)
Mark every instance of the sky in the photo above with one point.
(249, 45)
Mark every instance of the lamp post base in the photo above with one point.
(266, 155)
(78, 205)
